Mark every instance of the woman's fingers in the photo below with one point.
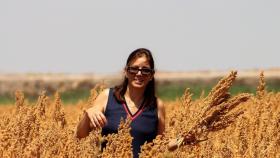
(175, 143)
(97, 119)
(102, 119)
(92, 123)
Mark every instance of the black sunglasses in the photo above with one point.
(135, 70)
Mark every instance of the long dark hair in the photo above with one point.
(149, 93)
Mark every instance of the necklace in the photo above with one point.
(131, 104)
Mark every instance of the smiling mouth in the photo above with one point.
(139, 80)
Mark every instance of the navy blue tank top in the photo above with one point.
(143, 125)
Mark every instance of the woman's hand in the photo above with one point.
(93, 117)
(175, 143)
(97, 118)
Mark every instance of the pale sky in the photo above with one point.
(97, 36)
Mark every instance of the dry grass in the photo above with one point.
(218, 125)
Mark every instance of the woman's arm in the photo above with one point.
(161, 117)
(93, 117)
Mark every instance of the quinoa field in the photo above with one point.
(218, 124)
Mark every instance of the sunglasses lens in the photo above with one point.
(146, 71)
(135, 70)
(132, 70)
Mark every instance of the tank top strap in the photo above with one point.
(111, 94)
(111, 100)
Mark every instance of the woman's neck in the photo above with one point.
(135, 95)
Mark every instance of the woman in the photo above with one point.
(134, 98)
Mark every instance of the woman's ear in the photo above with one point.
(151, 77)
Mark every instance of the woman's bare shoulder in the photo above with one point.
(101, 99)
(160, 103)
(105, 92)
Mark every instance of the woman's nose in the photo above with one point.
(139, 72)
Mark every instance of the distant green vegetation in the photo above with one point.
(167, 92)
(172, 91)
(68, 97)
(6, 100)
(72, 97)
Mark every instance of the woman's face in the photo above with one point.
(139, 72)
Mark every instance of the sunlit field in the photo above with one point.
(215, 124)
